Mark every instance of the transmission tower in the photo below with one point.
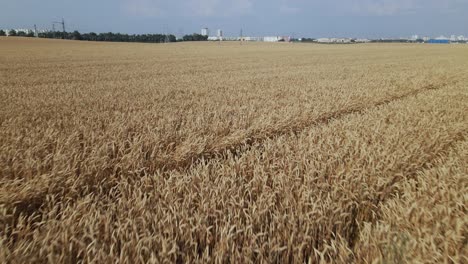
(53, 30)
(181, 33)
(241, 37)
(167, 38)
(60, 23)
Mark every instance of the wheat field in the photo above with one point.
(229, 153)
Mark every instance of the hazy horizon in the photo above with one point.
(300, 18)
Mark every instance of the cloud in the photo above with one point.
(146, 8)
(232, 8)
(289, 10)
(200, 8)
(220, 7)
(400, 7)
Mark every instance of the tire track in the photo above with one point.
(258, 137)
(389, 190)
(65, 190)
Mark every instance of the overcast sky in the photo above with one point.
(301, 18)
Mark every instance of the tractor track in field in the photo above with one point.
(389, 190)
(297, 126)
(67, 192)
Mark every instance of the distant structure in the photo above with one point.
(24, 30)
(60, 23)
(334, 40)
(205, 32)
(272, 39)
(219, 36)
(166, 34)
(439, 40)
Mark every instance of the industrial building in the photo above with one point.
(439, 40)
(334, 40)
(205, 32)
(26, 31)
(271, 39)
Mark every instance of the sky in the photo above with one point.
(298, 18)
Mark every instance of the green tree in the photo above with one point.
(12, 33)
(2, 32)
(195, 37)
(76, 35)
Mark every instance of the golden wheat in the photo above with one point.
(226, 153)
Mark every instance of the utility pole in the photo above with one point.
(241, 37)
(165, 30)
(166, 37)
(63, 25)
(60, 23)
(181, 33)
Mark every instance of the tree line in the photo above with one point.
(112, 37)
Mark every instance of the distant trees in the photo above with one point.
(2, 33)
(109, 36)
(76, 35)
(195, 37)
(307, 40)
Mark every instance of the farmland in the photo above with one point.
(207, 152)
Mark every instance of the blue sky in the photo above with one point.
(309, 18)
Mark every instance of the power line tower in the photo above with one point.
(166, 37)
(165, 30)
(180, 33)
(63, 25)
(241, 37)
(60, 23)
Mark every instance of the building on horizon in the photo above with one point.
(439, 40)
(205, 32)
(334, 40)
(24, 30)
